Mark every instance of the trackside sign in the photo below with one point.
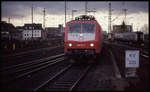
(132, 58)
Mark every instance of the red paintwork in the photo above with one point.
(87, 43)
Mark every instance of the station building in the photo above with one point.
(119, 28)
(7, 30)
(32, 32)
(54, 32)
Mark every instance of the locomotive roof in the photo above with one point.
(83, 20)
(86, 18)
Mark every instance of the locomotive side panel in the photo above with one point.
(100, 38)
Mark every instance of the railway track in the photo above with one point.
(67, 79)
(31, 62)
(22, 53)
(21, 70)
(142, 53)
(21, 58)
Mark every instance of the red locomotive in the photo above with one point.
(83, 37)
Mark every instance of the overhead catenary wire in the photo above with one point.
(32, 19)
(44, 18)
(109, 18)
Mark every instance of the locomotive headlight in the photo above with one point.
(70, 44)
(92, 44)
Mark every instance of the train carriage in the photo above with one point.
(83, 37)
(135, 37)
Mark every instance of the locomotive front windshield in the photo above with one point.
(81, 28)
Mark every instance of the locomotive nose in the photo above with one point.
(81, 37)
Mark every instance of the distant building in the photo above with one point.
(120, 28)
(20, 28)
(61, 28)
(32, 32)
(6, 30)
(10, 32)
(16, 35)
(104, 34)
(53, 32)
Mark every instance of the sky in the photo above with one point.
(19, 12)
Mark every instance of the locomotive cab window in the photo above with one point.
(88, 28)
(81, 28)
(74, 28)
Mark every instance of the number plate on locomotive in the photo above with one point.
(81, 45)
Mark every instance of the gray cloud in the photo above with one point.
(132, 7)
(23, 8)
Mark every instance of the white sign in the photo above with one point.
(132, 59)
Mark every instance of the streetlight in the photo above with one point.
(73, 12)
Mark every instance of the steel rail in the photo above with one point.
(127, 46)
(16, 54)
(145, 56)
(35, 70)
(73, 85)
(146, 53)
(81, 77)
(116, 69)
(52, 78)
(32, 62)
(31, 66)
